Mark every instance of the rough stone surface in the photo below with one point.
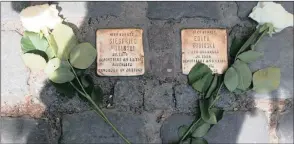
(245, 8)
(128, 95)
(278, 52)
(186, 98)
(143, 105)
(169, 129)
(176, 10)
(24, 130)
(240, 127)
(158, 96)
(285, 128)
(15, 75)
(88, 127)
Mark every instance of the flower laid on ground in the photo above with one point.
(52, 47)
(238, 78)
(40, 17)
(273, 13)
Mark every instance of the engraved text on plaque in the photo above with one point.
(208, 46)
(120, 52)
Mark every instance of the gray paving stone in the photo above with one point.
(186, 98)
(158, 96)
(24, 130)
(240, 127)
(162, 46)
(245, 8)
(169, 128)
(176, 10)
(285, 128)
(88, 127)
(278, 52)
(89, 9)
(226, 100)
(235, 127)
(128, 95)
(14, 74)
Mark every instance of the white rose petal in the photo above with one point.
(270, 12)
(40, 17)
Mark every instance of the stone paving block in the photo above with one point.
(162, 46)
(24, 130)
(245, 8)
(14, 74)
(176, 10)
(285, 128)
(235, 127)
(186, 98)
(169, 128)
(240, 127)
(89, 9)
(158, 96)
(88, 127)
(278, 52)
(128, 95)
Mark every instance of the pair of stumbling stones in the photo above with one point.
(120, 51)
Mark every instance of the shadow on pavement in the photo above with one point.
(227, 131)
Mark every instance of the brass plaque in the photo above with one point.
(208, 46)
(120, 52)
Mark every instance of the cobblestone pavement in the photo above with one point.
(148, 108)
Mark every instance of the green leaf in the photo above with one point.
(64, 88)
(203, 84)
(34, 61)
(201, 130)
(206, 114)
(218, 113)
(244, 74)
(52, 65)
(97, 96)
(182, 130)
(212, 87)
(266, 80)
(251, 40)
(32, 41)
(197, 72)
(82, 55)
(95, 92)
(61, 75)
(52, 49)
(249, 56)
(231, 79)
(65, 40)
(198, 141)
(235, 46)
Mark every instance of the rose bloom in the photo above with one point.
(40, 17)
(270, 12)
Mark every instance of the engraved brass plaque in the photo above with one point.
(120, 52)
(208, 46)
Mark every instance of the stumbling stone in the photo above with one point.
(208, 46)
(120, 52)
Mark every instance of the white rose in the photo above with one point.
(40, 17)
(270, 12)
